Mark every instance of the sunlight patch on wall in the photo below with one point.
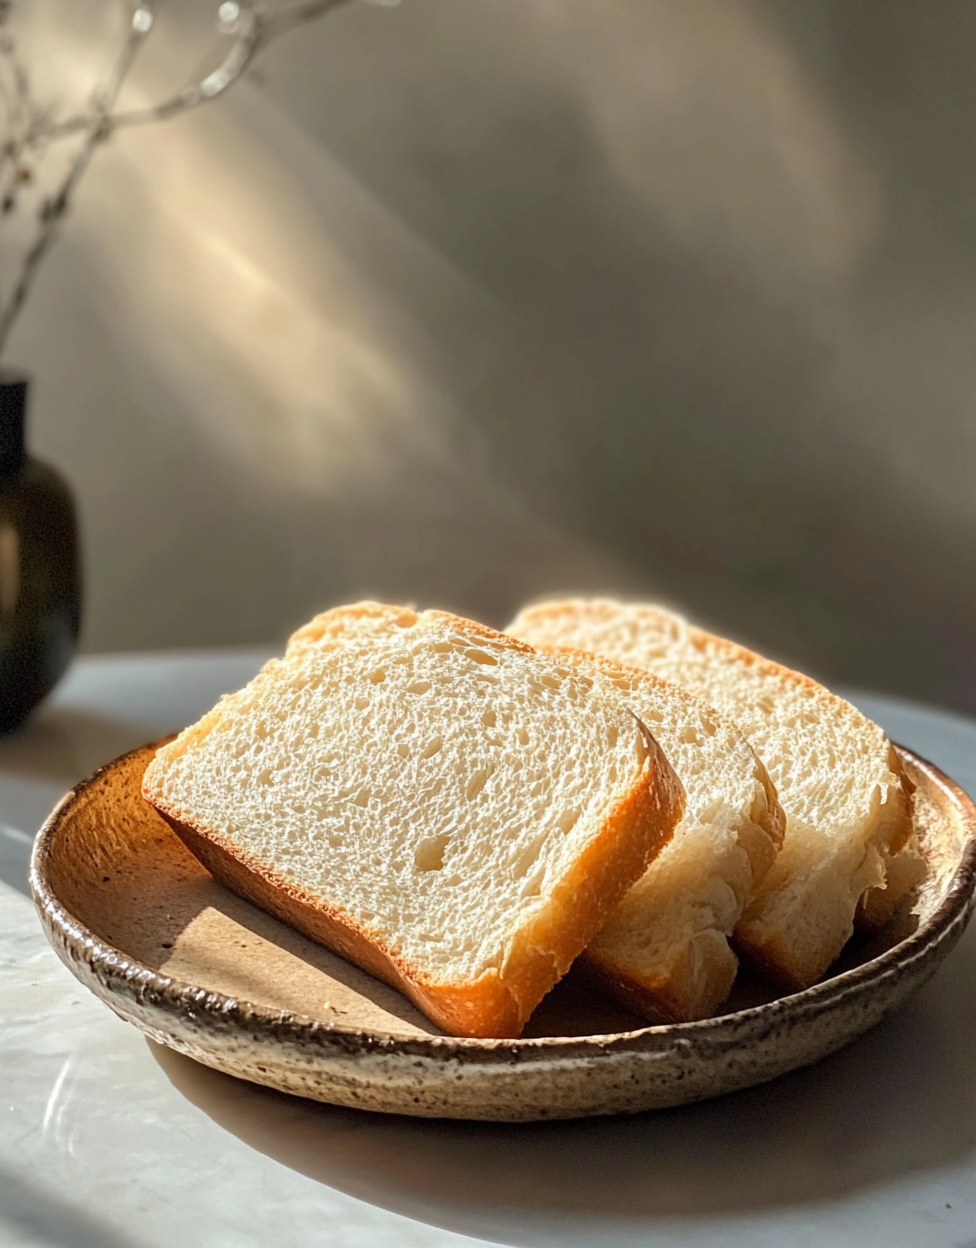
(708, 114)
(289, 357)
(253, 276)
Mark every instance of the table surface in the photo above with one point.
(107, 1141)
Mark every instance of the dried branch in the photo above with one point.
(30, 128)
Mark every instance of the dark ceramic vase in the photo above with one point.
(40, 586)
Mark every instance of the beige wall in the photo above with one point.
(470, 300)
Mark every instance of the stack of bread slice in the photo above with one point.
(846, 797)
(439, 803)
(467, 813)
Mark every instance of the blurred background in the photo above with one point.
(463, 302)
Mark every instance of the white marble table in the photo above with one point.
(108, 1142)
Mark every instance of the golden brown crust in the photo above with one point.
(500, 1001)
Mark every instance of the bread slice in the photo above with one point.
(664, 951)
(437, 802)
(847, 801)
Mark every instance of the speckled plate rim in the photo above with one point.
(136, 981)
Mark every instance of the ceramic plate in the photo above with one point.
(143, 925)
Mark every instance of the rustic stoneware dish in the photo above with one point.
(143, 925)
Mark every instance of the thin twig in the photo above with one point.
(56, 206)
(30, 128)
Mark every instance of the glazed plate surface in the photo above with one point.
(142, 924)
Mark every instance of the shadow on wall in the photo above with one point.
(467, 303)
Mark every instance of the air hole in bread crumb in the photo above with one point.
(418, 686)
(377, 677)
(613, 735)
(709, 725)
(481, 656)
(568, 820)
(712, 811)
(476, 783)
(362, 703)
(264, 776)
(533, 887)
(429, 854)
(489, 719)
(403, 751)
(526, 859)
(363, 796)
(432, 747)
(523, 737)
(690, 735)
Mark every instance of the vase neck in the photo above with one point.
(13, 411)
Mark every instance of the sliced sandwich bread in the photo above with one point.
(664, 951)
(441, 804)
(847, 801)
